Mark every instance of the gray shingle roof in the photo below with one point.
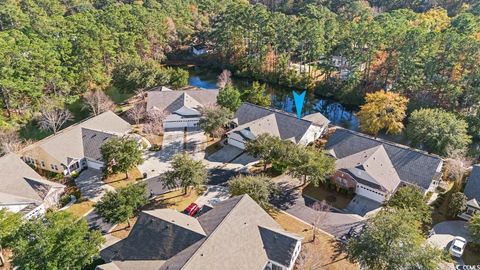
(67, 143)
(153, 238)
(372, 166)
(261, 120)
(239, 234)
(172, 101)
(92, 141)
(272, 239)
(472, 188)
(412, 166)
(20, 184)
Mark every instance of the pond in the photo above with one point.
(282, 98)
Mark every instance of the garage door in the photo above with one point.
(94, 165)
(236, 143)
(370, 193)
(178, 124)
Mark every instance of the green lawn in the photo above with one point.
(471, 256)
(77, 110)
(31, 131)
(118, 96)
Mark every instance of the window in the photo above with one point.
(276, 267)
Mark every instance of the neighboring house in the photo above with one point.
(182, 107)
(344, 67)
(252, 121)
(234, 234)
(198, 50)
(23, 190)
(472, 191)
(374, 168)
(76, 147)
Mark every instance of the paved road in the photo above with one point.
(96, 222)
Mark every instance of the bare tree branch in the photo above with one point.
(53, 117)
(97, 102)
(224, 78)
(308, 259)
(322, 210)
(137, 113)
(10, 142)
(154, 123)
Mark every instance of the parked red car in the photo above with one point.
(191, 210)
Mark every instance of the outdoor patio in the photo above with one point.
(335, 199)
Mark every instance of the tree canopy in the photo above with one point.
(59, 239)
(185, 173)
(121, 154)
(120, 206)
(411, 198)
(214, 120)
(259, 188)
(457, 204)
(383, 111)
(393, 240)
(438, 131)
(266, 147)
(229, 97)
(474, 228)
(313, 165)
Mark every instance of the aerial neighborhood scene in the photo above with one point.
(240, 135)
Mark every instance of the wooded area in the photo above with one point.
(57, 51)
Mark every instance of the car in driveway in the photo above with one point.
(458, 246)
(192, 209)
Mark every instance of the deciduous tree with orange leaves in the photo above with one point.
(383, 111)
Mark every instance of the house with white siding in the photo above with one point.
(23, 190)
(76, 147)
(182, 108)
(251, 121)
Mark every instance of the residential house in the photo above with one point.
(199, 50)
(375, 168)
(182, 107)
(472, 191)
(252, 120)
(344, 67)
(76, 147)
(234, 234)
(23, 190)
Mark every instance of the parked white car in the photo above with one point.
(458, 246)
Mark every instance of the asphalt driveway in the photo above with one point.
(213, 195)
(91, 185)
(445, 232)
(156, 163)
